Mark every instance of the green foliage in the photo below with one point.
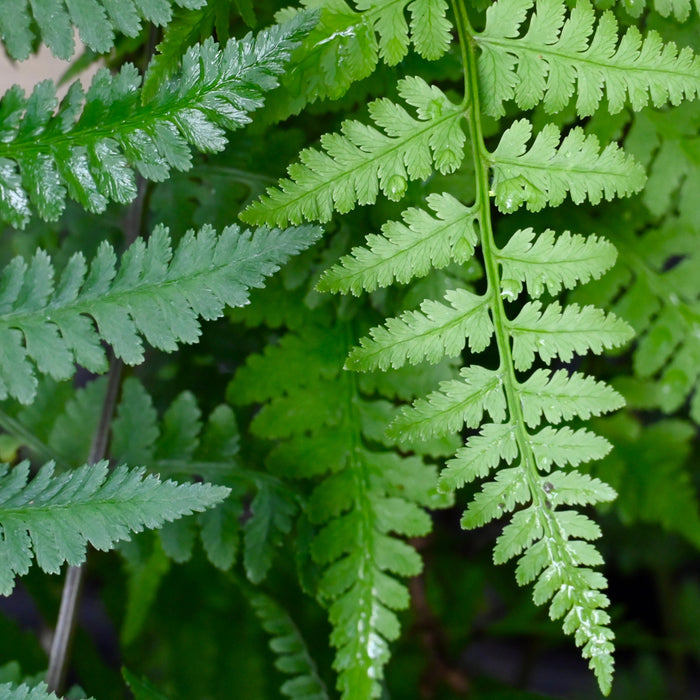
(347, 43)
(88, 147)
(287, 644)
(355, 166)
(53, 517)
(157, 293)
(9, 691)
(500, 306)
(561, 55)
(97, 21)
(368, 496)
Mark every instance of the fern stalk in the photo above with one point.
(553, 534)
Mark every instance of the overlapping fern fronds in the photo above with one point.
(9, 691)
(53, 517)
(347, 44)
(88, 147)
(560, 54)
(157, 294)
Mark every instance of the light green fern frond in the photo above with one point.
(104, 508)
(559, 56)
(87, 149)
(21, 21)
(407, 250)
(354, 166)
(286, 642)
(347, 43)
(549, 170)
(157, 294)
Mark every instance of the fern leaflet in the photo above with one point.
(367, 497)
(157, 293)
(104, 508)
(8, 691)
(549, 170)
(87, 149)
(354, 166)
(560, 55)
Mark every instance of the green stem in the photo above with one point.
(489, 250)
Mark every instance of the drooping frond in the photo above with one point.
(21, 21)
(88, 147)
(293, 657)
(354, 166)
(562, 54)
(549, 170)
(104, 508)
(157, 294)
(347, 43)
(364, 500)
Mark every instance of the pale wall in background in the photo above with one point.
(37, 68)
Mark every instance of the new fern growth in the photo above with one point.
(527, 458)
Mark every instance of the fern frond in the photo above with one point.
(434, 332)
(87, 149)
(347, 43)
(656, 288)
(406, 250)
(549, 170)
(364, 501)
(9, 691)
(22, 21)
(104, 507)
(559, 56)
(550, 264)
(553, 332)
(157, 294)
(353, 167)
(286, 642)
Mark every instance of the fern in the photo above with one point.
(554, 57)
(355, 166)
(325, 427)
(157, 294)
(347, 43)
(287, 644)
(52, 517)
(97, 21)
(559, 56)
(87, 149)
(9, 691)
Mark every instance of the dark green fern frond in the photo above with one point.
(157, 294)
(353, 167)
(104, 507)
(88, 147)
(559, 56)
(293, 657)
(181, 445)
(365, 498)
(347, 44)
